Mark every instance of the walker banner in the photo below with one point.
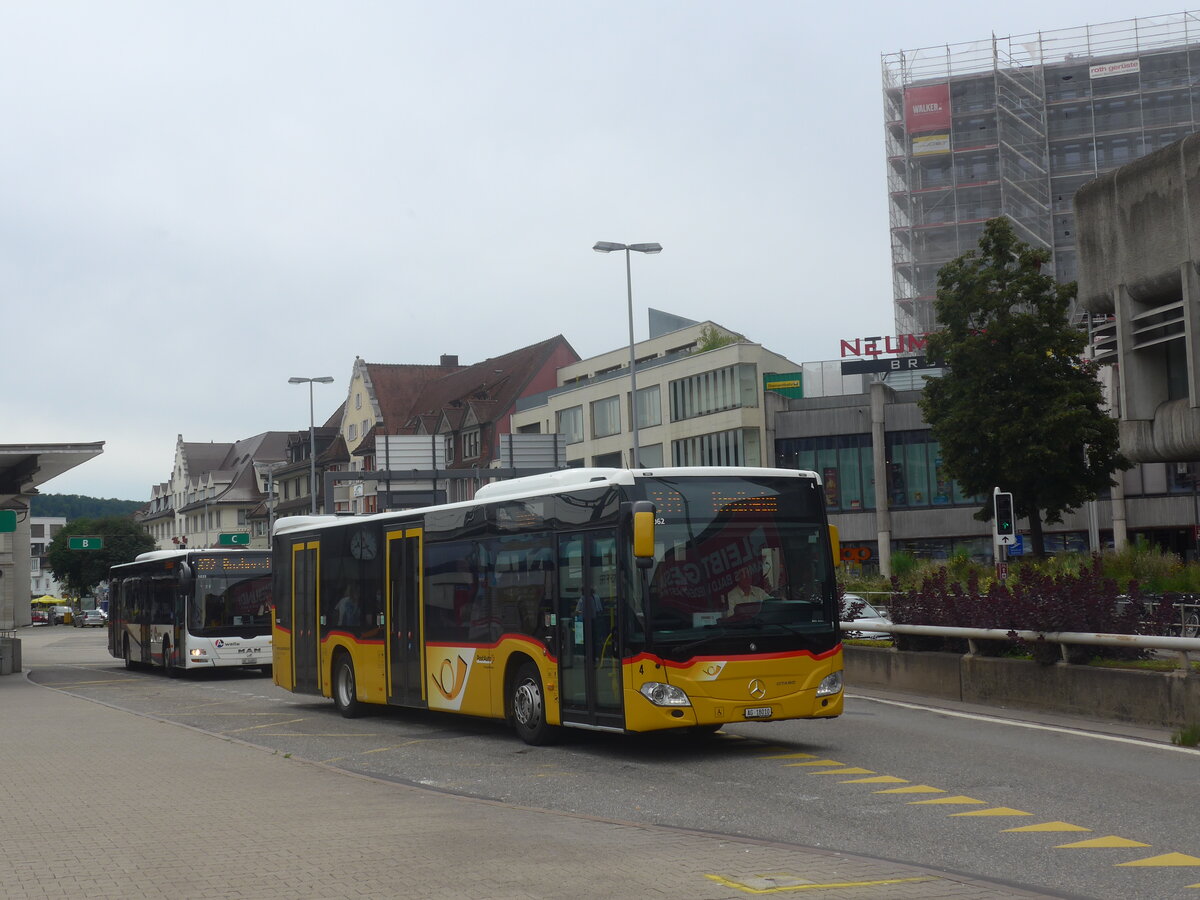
(927, 108)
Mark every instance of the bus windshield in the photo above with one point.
(232, 594)
(736, 559)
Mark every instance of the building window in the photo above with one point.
(731, 387)
(844, 463)
(651, 457)
(606, 417)
(353, 431)
(736, 447)
(570, 424)
(916, 474)
(607, 460)
(649, 406)
(471, 443)
(450, 448)
(358, 401)
(365, 427)
(241, 516)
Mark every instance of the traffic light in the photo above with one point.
(1005, 524)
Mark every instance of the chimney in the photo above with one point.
(449, 360)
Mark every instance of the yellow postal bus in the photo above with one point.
(607, 599)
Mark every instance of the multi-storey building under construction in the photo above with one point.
(1014, 126)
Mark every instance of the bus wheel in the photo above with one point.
(529, 707)
(344, 693)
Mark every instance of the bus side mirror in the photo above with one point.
(835, 545)
(643, 533)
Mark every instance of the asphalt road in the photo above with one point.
(896, 778)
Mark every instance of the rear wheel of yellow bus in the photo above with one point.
(345, 693)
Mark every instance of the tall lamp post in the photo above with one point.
(609, 247)
(312, 434)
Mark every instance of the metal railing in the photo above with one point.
(1183, 646)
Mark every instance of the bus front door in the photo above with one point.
(589, 660)
(306, 637)
(405, 645)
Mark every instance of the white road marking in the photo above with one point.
(1036, 726)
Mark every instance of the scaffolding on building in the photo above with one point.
(1014, 126)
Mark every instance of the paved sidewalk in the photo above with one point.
(159, 810)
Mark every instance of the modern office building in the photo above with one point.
(700, 400)
(1015, 126)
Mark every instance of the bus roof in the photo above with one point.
(558, 482)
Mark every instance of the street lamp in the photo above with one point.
(609, 247)
(312, 434)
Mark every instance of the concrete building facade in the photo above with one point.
(1139, 264)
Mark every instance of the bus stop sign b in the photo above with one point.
(85, 543)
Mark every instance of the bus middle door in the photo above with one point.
(406, 638)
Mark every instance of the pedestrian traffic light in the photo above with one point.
(1005, 523)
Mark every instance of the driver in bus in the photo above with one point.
(745, 591)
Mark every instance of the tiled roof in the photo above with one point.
(499, 380)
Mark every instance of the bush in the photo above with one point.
(1038, 597)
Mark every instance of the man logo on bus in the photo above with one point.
(451, 680)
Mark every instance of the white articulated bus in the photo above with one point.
(192, 609)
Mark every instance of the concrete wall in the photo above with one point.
(1139, 245)
(1143, 698)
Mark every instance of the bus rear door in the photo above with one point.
(306, 638)
(405, 644)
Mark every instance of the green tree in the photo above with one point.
(81, 570)
(1018, 407)
(711, 338)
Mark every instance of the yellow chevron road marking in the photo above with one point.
(850, 771)
(1110, 841)
(946, 801)
(878, 779)
(1050, 826)
(915, 789)
(994, 811)
(767, 885)
(1167, 859)
(791, 756)
(818, 762)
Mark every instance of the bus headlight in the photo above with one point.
(199, 651)
(664, 694)
(830, 684)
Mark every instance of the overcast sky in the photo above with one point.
(201, 199)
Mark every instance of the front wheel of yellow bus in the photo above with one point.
(528, 705)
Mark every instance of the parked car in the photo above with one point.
(91, 617)
(61, 614)
(40, 616)
(867, 615)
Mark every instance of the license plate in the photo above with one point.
(249, 661)
(758, 712)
